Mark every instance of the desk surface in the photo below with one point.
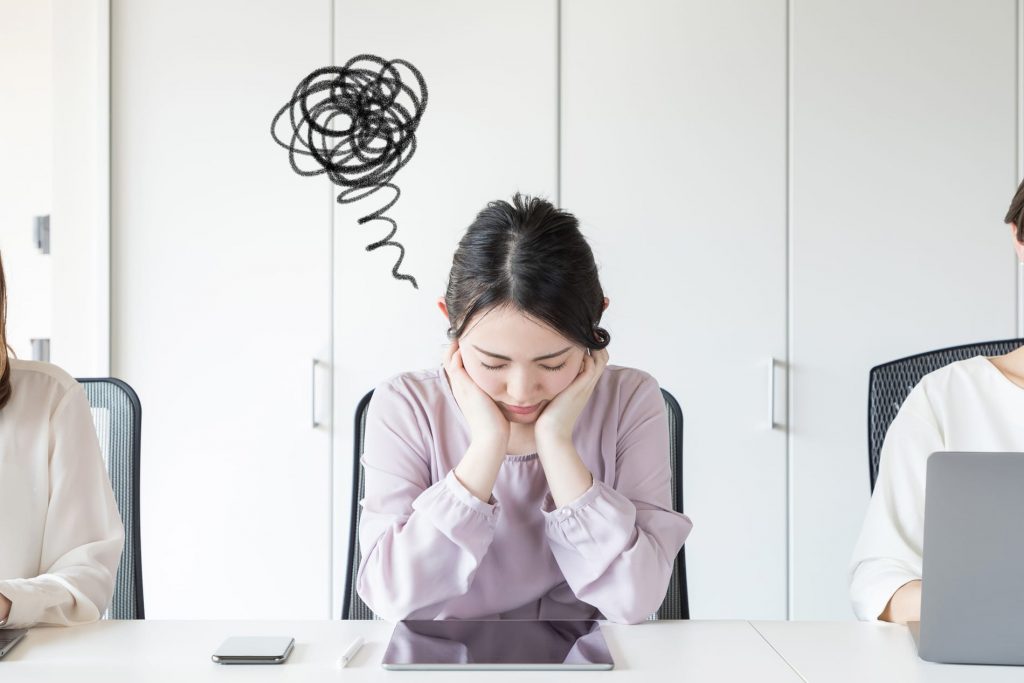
(684, 651)
(180, 651)
(841, 651)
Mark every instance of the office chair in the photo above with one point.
(889, 385)
(117, 415)
(676, 604)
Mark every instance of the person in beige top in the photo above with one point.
(971, 405)
(60, 532)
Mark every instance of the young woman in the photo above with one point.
(971, 405)
(60, 532)
(525, 478)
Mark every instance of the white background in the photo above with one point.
(814, 181)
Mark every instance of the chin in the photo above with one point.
(522, 419)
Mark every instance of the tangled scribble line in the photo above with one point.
(356, 123)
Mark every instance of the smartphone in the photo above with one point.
(9, 638)
(250, 650)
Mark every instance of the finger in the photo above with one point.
(449, 350)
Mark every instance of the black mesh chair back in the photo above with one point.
(117, 415)
(889, 385)
(676, 604)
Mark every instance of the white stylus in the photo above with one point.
(350, 652)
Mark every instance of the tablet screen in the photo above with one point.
(505, 644)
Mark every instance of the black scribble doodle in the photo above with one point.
(356, 123)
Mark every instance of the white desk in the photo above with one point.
(653, 652)
(868, 653)
(179, 651)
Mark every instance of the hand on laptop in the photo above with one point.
(904, 605)
(5, 608)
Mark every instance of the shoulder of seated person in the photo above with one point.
(32, 372)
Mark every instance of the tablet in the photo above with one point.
(498, 644)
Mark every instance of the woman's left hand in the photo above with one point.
(557, 420)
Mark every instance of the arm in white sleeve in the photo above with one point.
(889, 551)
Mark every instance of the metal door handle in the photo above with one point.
(772, 423)
(316, 423)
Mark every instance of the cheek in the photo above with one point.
(488, 380)
(558, 382)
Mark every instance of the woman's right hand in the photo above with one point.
(487, 424)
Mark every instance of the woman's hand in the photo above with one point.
(904, 605)
(487, 424)
(557, 420)
(5, 607)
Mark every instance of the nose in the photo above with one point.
(521, 386)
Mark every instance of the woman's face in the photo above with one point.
(518, 362)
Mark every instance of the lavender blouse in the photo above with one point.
(432, 550)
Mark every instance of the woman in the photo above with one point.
(525, 478)
(60, 532)
(971, 405)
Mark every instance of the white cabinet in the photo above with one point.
(903, 165)
(221, 271)
(673, 157)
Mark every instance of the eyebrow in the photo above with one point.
(498, 355)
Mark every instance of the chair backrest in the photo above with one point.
(889, 385)
(117, 415)
(676, 604)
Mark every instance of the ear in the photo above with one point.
(443, 307)
(604, 307)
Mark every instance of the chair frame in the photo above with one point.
(878, 426)
(136, 448)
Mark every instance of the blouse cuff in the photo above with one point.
(873, 587)
(599, 524)
(448, 503)
(18, 591)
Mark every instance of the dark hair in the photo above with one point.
(5, 361)
(531, 256)
(1016, 213)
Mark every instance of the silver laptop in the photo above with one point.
(972, 595)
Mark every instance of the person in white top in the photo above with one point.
(60, 532)
(971, 405)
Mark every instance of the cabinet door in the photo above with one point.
(489, 130)
(903, 158)
(220, 301)
(673, 157)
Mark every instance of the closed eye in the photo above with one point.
(554, 369)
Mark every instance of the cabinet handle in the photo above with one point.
(772, 423)
(316, 424)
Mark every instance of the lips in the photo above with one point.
(521, 410)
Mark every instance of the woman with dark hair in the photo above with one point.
(525, 478)
(60, 532)
(970, 405)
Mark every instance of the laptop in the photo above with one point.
(498, 645)
(972, 593)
